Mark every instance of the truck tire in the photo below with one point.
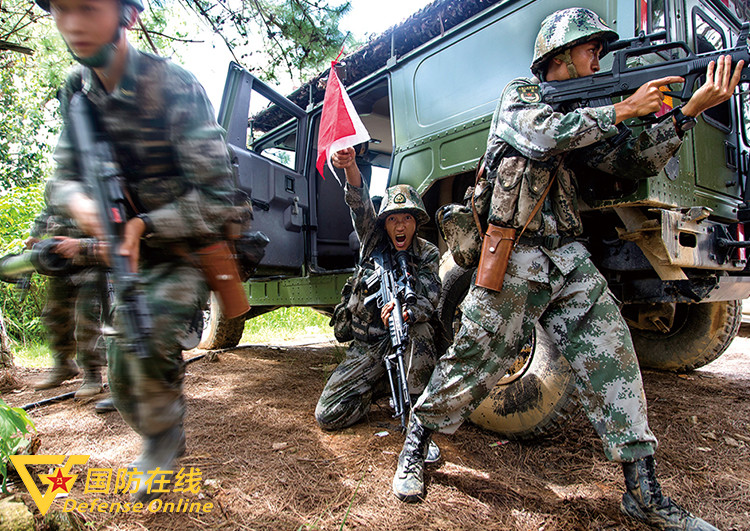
(700, 334)
(219, 331)
(538, 393)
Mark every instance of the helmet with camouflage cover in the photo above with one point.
(564, 29)
(403, 198)
(138, 4)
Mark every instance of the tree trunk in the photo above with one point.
(6, 355)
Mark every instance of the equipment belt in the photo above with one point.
(553, 241)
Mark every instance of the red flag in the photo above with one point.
(340, 126)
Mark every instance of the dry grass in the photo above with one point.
(251, 431)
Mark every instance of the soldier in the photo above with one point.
(177, 177)
(550, 278)
(349, 392)
(72, 314)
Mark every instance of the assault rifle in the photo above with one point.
(599, 89)
(395, 283)
(100, 170)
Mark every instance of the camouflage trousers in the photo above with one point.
(582, 318)
(349, 392)
(148, 392)
(73, 316)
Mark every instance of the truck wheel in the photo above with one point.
(538, 392)
(219, 331)
(700, 334)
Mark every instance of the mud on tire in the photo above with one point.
(218, 330)
(700, 334)
(537, 395)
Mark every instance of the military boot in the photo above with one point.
(105, 406)
(150, 447)
(433, 453)
(57, 375)
(159, 452)
(644, 501)
(408, 482)
(92, 383)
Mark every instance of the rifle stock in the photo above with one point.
(100, 170)
(598, 89)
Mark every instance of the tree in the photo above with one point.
(296, 37)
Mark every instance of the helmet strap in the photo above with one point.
(566, 58)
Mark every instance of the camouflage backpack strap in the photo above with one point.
(480, 171)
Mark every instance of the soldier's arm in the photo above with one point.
(429, 285)
(363, 213)
(539, 132)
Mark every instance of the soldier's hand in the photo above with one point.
(718, 88)
(30, 242)
(131, 245)
(385, 312)
(646, 100)
(86, 215)
(344, 158)
(67, 247)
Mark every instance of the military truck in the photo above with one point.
(426, 90)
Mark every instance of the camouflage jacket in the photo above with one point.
(424, 261)
(528, 140)
(47, 223)
(169, 147)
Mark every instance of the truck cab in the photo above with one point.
(426, 91)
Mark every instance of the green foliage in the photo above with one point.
(14, 431)
(284, 324)
(296, 36)
(28, 84)
(18, 208)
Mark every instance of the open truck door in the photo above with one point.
(272, 178)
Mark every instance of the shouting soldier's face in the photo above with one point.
(401, 227)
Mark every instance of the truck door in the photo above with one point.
(270, 174)
(716, 146)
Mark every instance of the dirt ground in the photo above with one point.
(266, 465)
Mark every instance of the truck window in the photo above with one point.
(279, 144)
(656, 16)
(708, 37)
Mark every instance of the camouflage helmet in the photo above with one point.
(138, 4)
(564, 29)
(403, 198)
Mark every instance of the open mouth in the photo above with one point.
(400, 238)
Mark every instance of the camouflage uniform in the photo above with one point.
(550, 278)
(176, 168)
(72, 314)
(349, 392)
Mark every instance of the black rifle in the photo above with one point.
(100, 170)
(394, 283)
(599, 89)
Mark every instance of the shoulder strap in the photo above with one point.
(480, 172)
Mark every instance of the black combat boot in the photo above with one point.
(644, 501)
(408, 482)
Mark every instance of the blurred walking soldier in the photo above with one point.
(72, 314)
(177, 179)
(349, 392)
(550, 278)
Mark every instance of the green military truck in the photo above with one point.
(426, 91)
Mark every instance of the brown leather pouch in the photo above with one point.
(497, 245)
(220, 268)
